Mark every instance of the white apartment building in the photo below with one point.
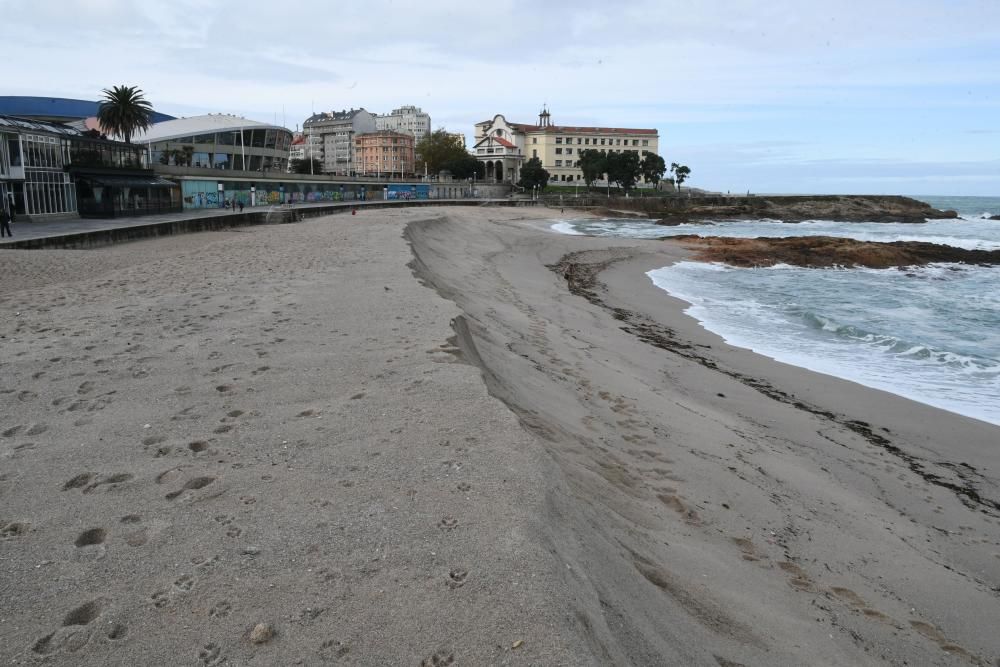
(330, 138)
(406, 119)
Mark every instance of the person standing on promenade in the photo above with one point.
(241, 207)
(5, 219)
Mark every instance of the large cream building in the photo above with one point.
(505, 146)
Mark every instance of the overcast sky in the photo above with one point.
(880, 96)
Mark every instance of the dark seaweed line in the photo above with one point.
(581, 278)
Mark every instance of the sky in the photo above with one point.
(775, 96)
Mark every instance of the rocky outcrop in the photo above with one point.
(826, 251)
(843, 208)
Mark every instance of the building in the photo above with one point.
(504, 146)
(330, 138)
(49, 170)
(56, 109)
(218, 141)
(297, 151)
(408, 119)
(384, 153)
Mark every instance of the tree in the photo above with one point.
(623, 168)
(533, 175)
(304, 167)
(465, 166)
(653, 167)
(438, 149)
(593, 163)
(680, 173)
(124, 111)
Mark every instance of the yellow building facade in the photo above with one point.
(505, 146)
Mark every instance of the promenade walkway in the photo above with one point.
(84, 233)
(24, 231)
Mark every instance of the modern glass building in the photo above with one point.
(49, 170)
(218, 141)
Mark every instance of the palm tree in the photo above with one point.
(124, 111)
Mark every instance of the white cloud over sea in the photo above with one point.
(773, 96)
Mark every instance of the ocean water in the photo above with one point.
(931, 333)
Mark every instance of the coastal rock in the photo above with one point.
(826, 251)
(841, 208)
(994, 217)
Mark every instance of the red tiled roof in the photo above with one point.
(503, 142)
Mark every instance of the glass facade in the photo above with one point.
(47, 188)
(114, 195)
(243, 150)
(51, 169)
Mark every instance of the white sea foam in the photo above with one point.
(564, 227)
(911, 333)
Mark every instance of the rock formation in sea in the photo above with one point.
(826, 251)
(841, 208)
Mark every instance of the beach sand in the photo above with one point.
(403, 438)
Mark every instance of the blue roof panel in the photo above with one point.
(55, 108)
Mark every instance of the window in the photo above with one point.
(534, 140)
(558, 151)
(558, 140)
(645, 142)
(558, 163)
(587, 141)
(602, 142)
(635, 142)
(569, 151)
(534, 153)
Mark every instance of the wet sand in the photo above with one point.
(406, 438)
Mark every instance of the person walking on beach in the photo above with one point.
(5, 223)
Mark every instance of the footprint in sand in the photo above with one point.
(73, 635)
(211, 655)
(198, 446)
(14, 529)
(438, 659)
(191, 485)
(333, 649)
(110, 481)
(448, 523)
(220, 609)
(800, 580)
(457, 578)
(91, 537)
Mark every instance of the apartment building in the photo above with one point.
(407, 119)
(504, 146)
(384, 153)
(330, 138)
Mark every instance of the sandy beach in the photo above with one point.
(453, 437)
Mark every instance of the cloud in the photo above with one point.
(903, 79)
